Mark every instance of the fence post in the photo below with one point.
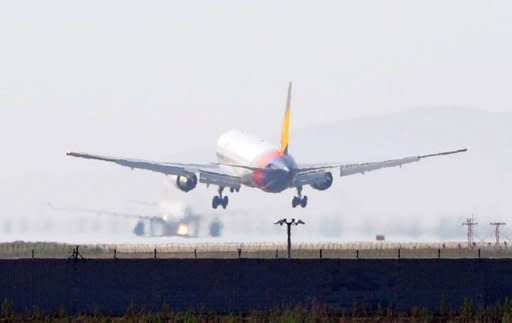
(239, 252)
(154, 253)
(115, 253)
(277, 253)
(438, 253)
(195, 253)
(479, 253)
(321, 255)
(357, 253)
(398, 253)
(32, 253)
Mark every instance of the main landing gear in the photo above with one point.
(299, 200)
(220, 200)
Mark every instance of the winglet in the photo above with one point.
(286, 123)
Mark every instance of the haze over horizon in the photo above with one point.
(162, 80)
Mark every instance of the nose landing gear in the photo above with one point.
(299, 200)
(220, 200)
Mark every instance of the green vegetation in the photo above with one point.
(21, 249)
(316, 313)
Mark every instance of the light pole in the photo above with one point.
(289, 231)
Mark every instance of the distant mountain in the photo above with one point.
(416, 131)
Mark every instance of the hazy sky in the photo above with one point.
(95, 71)
(161, 79)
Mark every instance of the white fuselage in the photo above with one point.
(237, 147)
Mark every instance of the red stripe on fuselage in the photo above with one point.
(257, 176)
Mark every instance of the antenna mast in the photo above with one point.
(497, 231)
(470, 223)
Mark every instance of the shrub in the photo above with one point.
(468, 309)
(7, 309)
(507, 311)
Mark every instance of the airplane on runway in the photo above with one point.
(174, 220)
(245, 160)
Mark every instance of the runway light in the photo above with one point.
(182, 229)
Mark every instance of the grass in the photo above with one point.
(315, 313)
(19, 249)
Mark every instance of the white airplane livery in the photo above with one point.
(244, 160)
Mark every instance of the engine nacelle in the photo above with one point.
(324, 182)
(186, 182)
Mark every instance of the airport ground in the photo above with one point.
(352, 250)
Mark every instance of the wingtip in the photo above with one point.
(72, 154)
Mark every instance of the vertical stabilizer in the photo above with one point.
(285, 134)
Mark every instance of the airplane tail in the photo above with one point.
(285, 132)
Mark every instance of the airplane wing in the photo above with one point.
(160, 167)
(210, 174)
(103, 212)
(347, 169)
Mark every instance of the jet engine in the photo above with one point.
(324, 181)
(186, 182)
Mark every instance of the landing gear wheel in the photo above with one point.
(304, 202)
(299, 200)
(224, 202)
(220, 200)
(295, 201)
(216, 202)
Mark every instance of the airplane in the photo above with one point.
(176, 220)
(245, 160)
